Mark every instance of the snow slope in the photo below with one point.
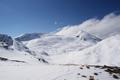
(106, 52)
(59, 44)
(12, 51)
(16, 57)
(58, 72)
(73, 53)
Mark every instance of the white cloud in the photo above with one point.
(107, 26)
(103, 28)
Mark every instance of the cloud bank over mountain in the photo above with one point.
(107, 26)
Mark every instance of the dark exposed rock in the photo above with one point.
(84, 76)
(88, 67)
(112, 70)
(115, 76)
(81, 68)
(97, 66)
(91, 78)
(6, 59)
(42, 60)
(3, 59)
(18, 61)
(95, 73)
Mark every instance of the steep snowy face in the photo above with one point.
(78, 32)
(5, 41)
(87, 37)
(106, 52)
(29, 36)
(19, 46)
(68, 31)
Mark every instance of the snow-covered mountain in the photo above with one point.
(59, 44)
(5, 41)
(14, 51)
(73, 44)
(79, 52)
(106, 52)
(29, 36)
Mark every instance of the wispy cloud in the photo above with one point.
(108, 25)
(103, 28)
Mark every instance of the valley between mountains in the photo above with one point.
(81, 52)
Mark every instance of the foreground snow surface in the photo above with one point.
(54, 72)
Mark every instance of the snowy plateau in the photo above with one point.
(89, 51)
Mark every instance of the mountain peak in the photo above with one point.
(87, 36)
(29, 36)
(5, 40)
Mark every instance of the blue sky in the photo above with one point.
(26, 16)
